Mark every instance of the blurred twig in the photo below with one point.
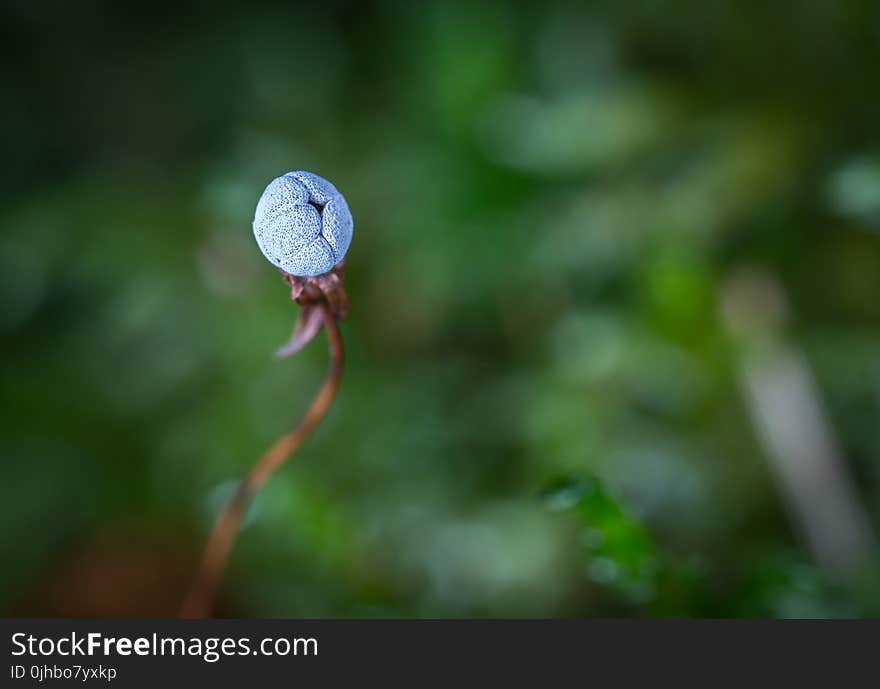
(200, 600)
(794, 427)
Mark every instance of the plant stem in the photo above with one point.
(200, 601)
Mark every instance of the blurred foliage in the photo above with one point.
(541, 413)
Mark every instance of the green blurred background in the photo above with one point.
(614, 347)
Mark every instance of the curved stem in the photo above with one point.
(200, 600)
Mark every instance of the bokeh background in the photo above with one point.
(614, 347)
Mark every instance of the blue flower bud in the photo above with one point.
(302, 224)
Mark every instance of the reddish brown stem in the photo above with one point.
(200, 601)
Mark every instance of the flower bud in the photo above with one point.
(302, 224)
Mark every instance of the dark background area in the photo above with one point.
(613, 348)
